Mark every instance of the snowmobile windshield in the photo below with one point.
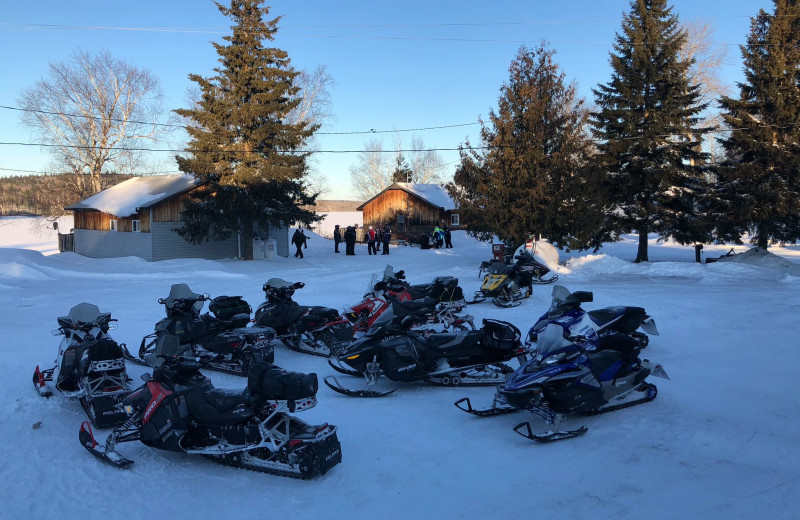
(86, 313)
(551, 339)
(560, 295)
(388, 273)
(278, 283)
(497, 268)
(382, 322)
(181, 291)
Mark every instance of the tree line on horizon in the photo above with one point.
(548, 163)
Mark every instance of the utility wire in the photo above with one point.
(186, 150)
(370, 131)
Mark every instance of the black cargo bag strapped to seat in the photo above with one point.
(226, 307)
(275, 383)
(501, 335)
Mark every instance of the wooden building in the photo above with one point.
(138, 217)
(411, 209)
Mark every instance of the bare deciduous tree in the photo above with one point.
(373, 171)
(93, 112)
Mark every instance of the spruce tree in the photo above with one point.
(248, 157)
(648, 143)
(759, 184)
(402, 172)
(528, 178)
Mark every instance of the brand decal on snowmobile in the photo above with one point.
(407, 367)
(332, 455)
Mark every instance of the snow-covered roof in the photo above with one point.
(126, 198)
(433, 194)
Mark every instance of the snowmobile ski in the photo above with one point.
(525, 430)
(487, 412)
(337, 387)
(539, 281)
(343, 370)
(109, 456)
(505, 304)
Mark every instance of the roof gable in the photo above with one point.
(126, 198)
(434, 194)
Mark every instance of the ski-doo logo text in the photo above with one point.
(407, 367)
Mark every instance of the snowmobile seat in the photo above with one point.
(226, 307)
(500, 335)
(413, 307)
(324, 312)
(621, 318)
(271, 382)
(216, 406)
(446, 341)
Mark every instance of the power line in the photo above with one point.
(356, 132)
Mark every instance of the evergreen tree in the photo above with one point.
(649, 146)
(402, 173)
(243, 149)
(759, 184)
(528, 179)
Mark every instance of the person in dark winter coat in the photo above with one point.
(387, 236)
(350, 241)
(337, 237)
(299, 240)
(447, 238)
(372, 241)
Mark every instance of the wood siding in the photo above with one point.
(99, 221)
(419, 216)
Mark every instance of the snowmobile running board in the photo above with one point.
(337, 387)
(549, 436)
(488, 412)
(86, 437)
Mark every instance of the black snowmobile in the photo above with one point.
(90, 365)
(178, 409)
(321, 331)
(391, 348)
(443, 289)
(508, 283)
(220, 342)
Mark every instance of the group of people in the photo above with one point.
(373, 237)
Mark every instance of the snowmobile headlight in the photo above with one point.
(352, 357)
(128, 409)
(551, 360)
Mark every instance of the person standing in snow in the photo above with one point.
(372, 239)
(447, 238)
(337, 237)
(387, 236)
(299, 240)
(350, 241)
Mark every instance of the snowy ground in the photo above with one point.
(719, 442)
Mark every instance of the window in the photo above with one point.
(401, 219)
(113, 225)
(454, 220)
(135, 226)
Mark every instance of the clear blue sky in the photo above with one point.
(396, 65)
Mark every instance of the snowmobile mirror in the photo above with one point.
(146, 377)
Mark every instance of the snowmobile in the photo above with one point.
(220, 342)
(90, 365)
(391, 348)
(179, 410)
(435, 303)
(564, 379)
(322, 331)
(600, 328)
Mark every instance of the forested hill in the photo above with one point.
(46, 194)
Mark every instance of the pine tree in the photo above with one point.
(649, 146)
(248, 157)
(402, 172)
(759, 185)
(529, 179)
